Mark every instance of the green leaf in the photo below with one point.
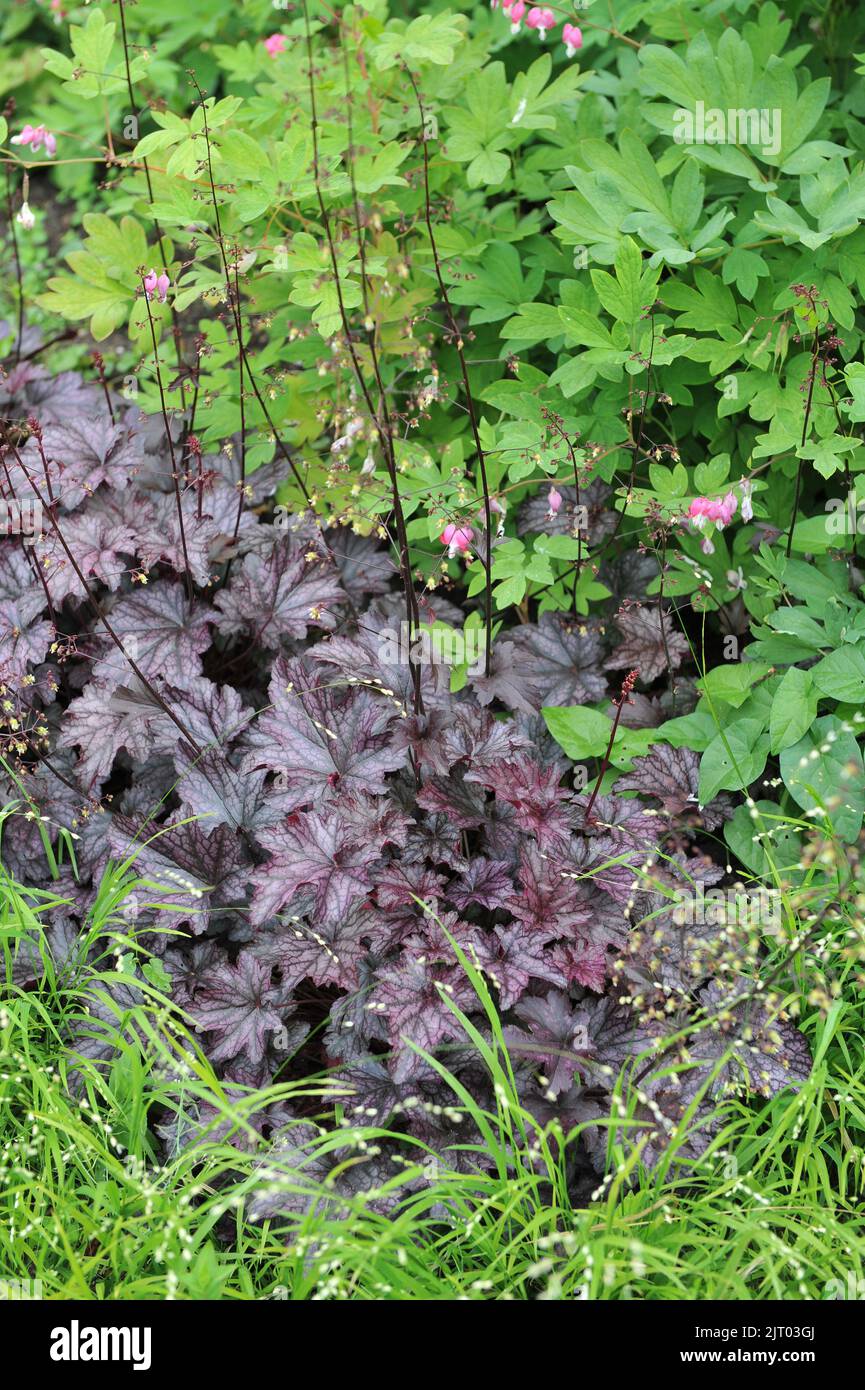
(489, 167)
(694, 730)
(763, 840)
(825, 770)
(580, 731)
(732, 682)
(841, 675)
(794, 709)
(626, 295)
(428, 39)
(734, 759)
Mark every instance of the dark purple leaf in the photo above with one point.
(534, 793)
(324, 742)
(279, 595)
(317, 850)
(484, 883)
(329, 951)
(562, 660)
(240, 1007)
(644, 646)
(555, 1038)
(672, 776)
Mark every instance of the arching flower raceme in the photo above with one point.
(542, 19)
(156, 285)
(517, 11)
(554, 497)
(458, 539)
(35, 137)
(276, 44)
(25, 217)
(572, 38)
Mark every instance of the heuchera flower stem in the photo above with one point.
(412, 607)
(812, 376)
(167, 423)
(234, 306)
(627, 686)
(176, 334)
(17, 260)
(382, 423)
(232, 294)
(175, 322)
(470, 404)
(99, 361)
(97, 608)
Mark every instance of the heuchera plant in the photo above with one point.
(426, 325)
(212, 697)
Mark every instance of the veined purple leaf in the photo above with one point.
(555, 1038)
(240, 1006)
(646, 646)
(163, 634)
(562, 660)
(280, 595)
(86, 450)
(410, 996)
(196, 871)
(510, 680)
(100, 539)
(533, 790)
(317, 850)
(324, 742)
(671, 776)
(328, 950)
(452, 796)
(484, 883)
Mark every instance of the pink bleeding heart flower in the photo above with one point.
(572, 38)
(458, 539)
(157, 285)
(541, 19)
(35, 136)
(717, 509)
(697, 514)
(554, 498)
(276, 44)
(726, 509)
(517, 11)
